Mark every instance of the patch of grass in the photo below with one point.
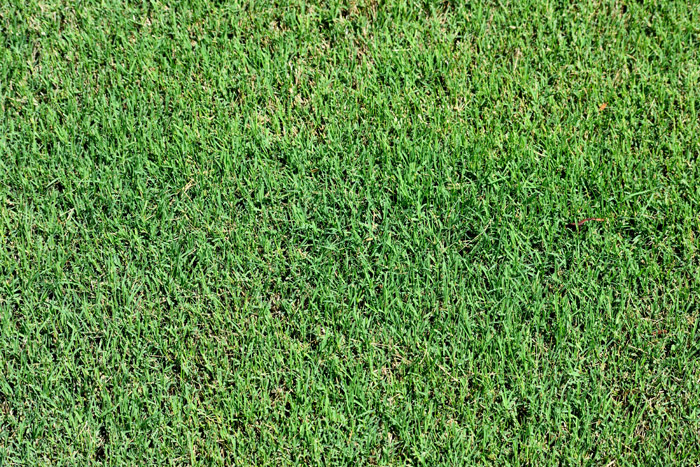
(334, 232)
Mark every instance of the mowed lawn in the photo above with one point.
(335, 233)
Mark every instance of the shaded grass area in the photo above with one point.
(334, 233)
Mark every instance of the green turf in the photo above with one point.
(335, 233)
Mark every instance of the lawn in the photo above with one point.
(339, 233)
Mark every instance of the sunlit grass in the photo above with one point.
(336, 233)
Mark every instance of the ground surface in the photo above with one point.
(267, 233)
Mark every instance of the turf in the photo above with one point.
(336, 233)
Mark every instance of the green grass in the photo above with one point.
(335, 233)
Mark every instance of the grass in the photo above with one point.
(335, 232)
